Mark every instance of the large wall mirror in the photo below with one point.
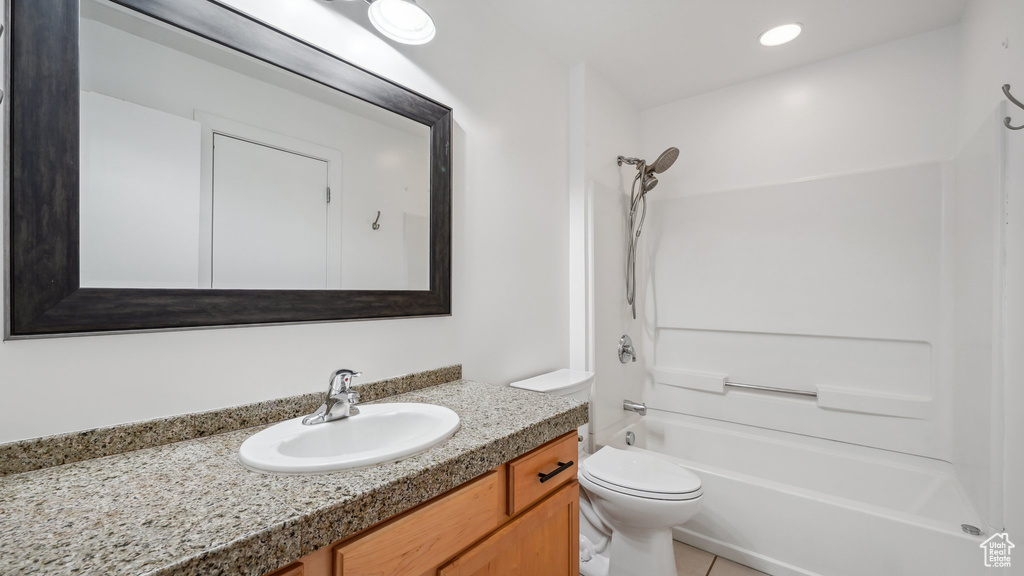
(174, 163)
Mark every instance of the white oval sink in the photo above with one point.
(379, 433)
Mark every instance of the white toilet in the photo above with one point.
(639, 497)
(629, 500)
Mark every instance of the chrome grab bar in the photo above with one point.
(771, 389)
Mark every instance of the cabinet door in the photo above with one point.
(417, 543)
(296, 569)
(543, 541)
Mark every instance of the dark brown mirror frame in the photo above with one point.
(43, 296)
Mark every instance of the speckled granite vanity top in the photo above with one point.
(190, 508)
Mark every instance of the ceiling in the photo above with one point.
(658, 51)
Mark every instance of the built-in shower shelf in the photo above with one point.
(850, 400)
(827, 397)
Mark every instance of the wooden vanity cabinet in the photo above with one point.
(541, 542)
(503, 522)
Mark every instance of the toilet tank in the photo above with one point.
(572, 383)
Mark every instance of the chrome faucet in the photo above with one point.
(341, 399)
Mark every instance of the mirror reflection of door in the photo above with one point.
(270, 216)
(148, 202)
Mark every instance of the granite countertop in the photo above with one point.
(190, 508)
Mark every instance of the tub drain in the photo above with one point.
(972, 530)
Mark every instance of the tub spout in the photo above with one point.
(638, 407)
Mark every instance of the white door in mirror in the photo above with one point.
(270, 215)
(379, 433)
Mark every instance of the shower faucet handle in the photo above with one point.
(626, 350)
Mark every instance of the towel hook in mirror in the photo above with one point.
(376, 223)
(1006, 121)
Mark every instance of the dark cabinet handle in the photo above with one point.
(562, 467)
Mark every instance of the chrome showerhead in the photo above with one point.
(640, 199)
(665, 161)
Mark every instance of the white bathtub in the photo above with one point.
(793, 505)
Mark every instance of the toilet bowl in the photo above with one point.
(629, 501)
(638, 498)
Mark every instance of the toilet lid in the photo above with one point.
(641, 474)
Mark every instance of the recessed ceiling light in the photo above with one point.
(402, 20)
(780, 35)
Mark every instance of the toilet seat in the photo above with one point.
(640, 475)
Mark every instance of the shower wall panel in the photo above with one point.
(977, 259)
(804, 245)
(609, 315)
(830, 285)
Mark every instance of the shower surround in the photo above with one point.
(826, 233)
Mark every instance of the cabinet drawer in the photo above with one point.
(417, 543)
(541, 472)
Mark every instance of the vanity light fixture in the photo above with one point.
(780, 34)
(403, 21)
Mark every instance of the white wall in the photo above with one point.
(139, 198)
(510, 265)
(993, 55)
(605, 126)
(876, 108)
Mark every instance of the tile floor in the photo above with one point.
(692, 561)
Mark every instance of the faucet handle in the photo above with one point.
(341, 380)
(626, 350)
